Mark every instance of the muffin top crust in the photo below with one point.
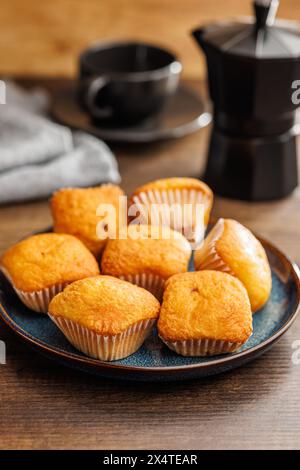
(47, 259)
(157, 250)
(104, 304)
(205, 305)
(245, 258)
(175, 183)
(74, 211)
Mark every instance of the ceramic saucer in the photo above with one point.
(184, 113)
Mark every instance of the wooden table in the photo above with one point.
(45, 406)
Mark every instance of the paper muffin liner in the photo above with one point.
(39, 300)
(202, 347)
(167, 197)
(104, 347)
(151, 282)
(206, 257)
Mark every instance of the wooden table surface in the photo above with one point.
(46, 406)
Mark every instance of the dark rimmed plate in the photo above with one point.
(154, 361)
(183, 114)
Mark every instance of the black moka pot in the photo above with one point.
(251, 70)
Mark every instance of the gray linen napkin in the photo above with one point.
(38, 156)
(89, 163)
(35, 100)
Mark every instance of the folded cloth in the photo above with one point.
(38, 156)
(90, 162)
(25, 135)
(35, 100)
(26, 138)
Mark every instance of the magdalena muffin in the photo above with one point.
(41, 266)
(232, 248)
(74, 211)
(105, 317)
(205, 313)
(147, 257)
(153, 201)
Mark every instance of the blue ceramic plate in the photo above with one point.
(154, 361)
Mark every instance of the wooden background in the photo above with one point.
(45, 38)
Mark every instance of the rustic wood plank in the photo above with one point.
(43, 405)
(45, 38)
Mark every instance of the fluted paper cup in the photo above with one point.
(203, 347)
(104, 347)
(160, 215)
(39, 300)
(206, 257)
(151, 282)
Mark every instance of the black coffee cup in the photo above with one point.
(126, 82)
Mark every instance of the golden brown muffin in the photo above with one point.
(232, 248)
(41, 266)
(204, 313)
(170, 191)
(105, 317)
(74, 211)
(148, 260)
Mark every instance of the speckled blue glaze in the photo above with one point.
(278, 310)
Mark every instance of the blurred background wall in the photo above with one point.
(44, 38)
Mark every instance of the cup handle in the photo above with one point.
(95, 85)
